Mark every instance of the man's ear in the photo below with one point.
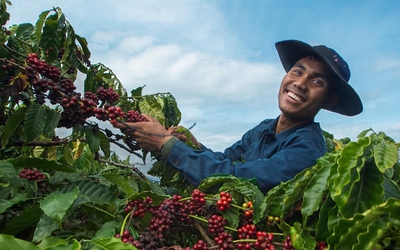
(332, 100)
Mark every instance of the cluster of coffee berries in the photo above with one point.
(46, 81)
(109, 113)
(134, 116)
(321, 245)
(199, 245)
(224, 241)
(248, 206)
(31, 174)
(273, 220)
(107, 95)
(224, 202)
(287, 244)
(115, 114)
(41, 67)
(138, 206)
(126, 237)
(216, 224)
(264, 241)
(247, 231)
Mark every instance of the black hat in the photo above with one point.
(291, 51)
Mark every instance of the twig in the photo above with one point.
(44, 143)
(204, 234)
(134, 169)
(124, 147)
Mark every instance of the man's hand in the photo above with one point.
(150, 134)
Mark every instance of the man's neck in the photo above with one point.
(285, 123)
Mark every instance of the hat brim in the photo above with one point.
(291, 51)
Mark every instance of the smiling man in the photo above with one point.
(277, 149)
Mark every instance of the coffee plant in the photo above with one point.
(64, 186)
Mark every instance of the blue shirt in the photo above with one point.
(262, 154)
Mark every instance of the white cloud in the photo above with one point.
(387, 64)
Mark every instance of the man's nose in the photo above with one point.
(301, 83)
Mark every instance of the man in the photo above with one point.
(277, 149)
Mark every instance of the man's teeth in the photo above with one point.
(295, 97)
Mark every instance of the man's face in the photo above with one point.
(304, 90)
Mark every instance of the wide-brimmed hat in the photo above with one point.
(291, 51)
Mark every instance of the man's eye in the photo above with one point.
(318, 82)
(296, 71)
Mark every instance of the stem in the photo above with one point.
(101, 210)
(239, 207)
(244, 240)
(198, 218)
(124, 222)
(206, 221)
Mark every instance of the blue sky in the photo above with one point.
(219, 60)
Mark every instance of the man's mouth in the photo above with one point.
(295, 97)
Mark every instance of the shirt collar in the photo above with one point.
(284, 134)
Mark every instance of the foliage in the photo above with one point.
(75, 192)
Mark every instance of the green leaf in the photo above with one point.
(104, 144)
(72, 49)
(93, 138)
(56, 204)
(5, 204)
(52, 120)
(283, 197)
(156, 188)
(122, 182)
(12, 124)
(40, 163)
(150, 105)
(364, 133)
(137, 92)
(217, 179)
(371, 225)
(107, 230)
(97, 193)
(172, 113)
(37, 35)
(67, 154)
(322, 231)
(85, 160)
(44, 228)
(232, 216)
(52, 35)
(9, 242)
(24, 31)
(7, 170)
(35, 121)
(347, 167)
(300, 238)
(83, 44)
(386, 155)
(366, 192)
(27, 218)
(56, 243)
(111, 243)
(61, 177)
(391, 189)
(90, 83)
(314, 191)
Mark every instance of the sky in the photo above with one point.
(218, 57)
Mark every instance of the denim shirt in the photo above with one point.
(262, 154)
